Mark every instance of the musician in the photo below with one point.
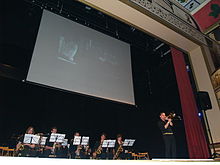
(26, 150)
(63, 151)
(119, 150)
(78, 151)
(98, 151)
(165, 124)
(52, 148)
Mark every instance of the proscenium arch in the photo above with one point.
(195, 50)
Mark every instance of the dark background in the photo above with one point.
(23, 104)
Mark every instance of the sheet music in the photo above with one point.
(53, 137)
(60, 138)
(129, 142)
(31, 139)
(43, 140)
(85, 140)
(77, 140)
(105, 143)
(126, 141)
(111, 143)
(108, 143)
(65, 142)
(56, 137)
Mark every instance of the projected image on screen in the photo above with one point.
(67, 50)
(76, 58)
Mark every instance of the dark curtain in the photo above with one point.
(196, 140)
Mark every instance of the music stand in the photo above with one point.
(128, 142)
(108, 143)
(85, 140)
(78, 140)
(56, 137)
(31, 139)
(65, 142)
(43, 141)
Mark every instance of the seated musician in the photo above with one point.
(52, 149)
(119, 149)
(78, 151)
(23, 149)
(98, 151)
(63, 151)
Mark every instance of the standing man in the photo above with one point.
(165, 124)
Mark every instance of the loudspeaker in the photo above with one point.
(217, 33)
(204, 100)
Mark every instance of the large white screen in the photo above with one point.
(76, 58)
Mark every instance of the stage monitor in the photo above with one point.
(73, 57)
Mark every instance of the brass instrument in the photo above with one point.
(40, 147)
(99, 149)
(86, 149)
(79, 147)
(55, 147)
(171, 115)
(119, 150)
(21, 147)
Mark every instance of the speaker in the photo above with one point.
(217, 33)
(204, 100)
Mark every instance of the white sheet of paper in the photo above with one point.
(85, 140)
(77, 140)
(33, 139)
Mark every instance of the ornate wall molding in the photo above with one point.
(171, 19)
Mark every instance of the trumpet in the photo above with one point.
(171, 115)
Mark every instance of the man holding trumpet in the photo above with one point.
(165, 124)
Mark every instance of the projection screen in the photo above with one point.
(73, 57)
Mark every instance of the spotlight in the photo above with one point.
(88, 8)
(132, 29)
(187, 68)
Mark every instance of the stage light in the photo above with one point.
(158, 47)
(187, 68)
(132, 29)
(88, 8)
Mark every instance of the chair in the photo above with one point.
(10, 152)
(3, 151)
(143, 155)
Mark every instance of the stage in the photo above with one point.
(55, 161)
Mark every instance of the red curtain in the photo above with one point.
(196, 141)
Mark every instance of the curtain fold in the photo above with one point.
(196, 140)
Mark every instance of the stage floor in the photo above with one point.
(56, 161)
